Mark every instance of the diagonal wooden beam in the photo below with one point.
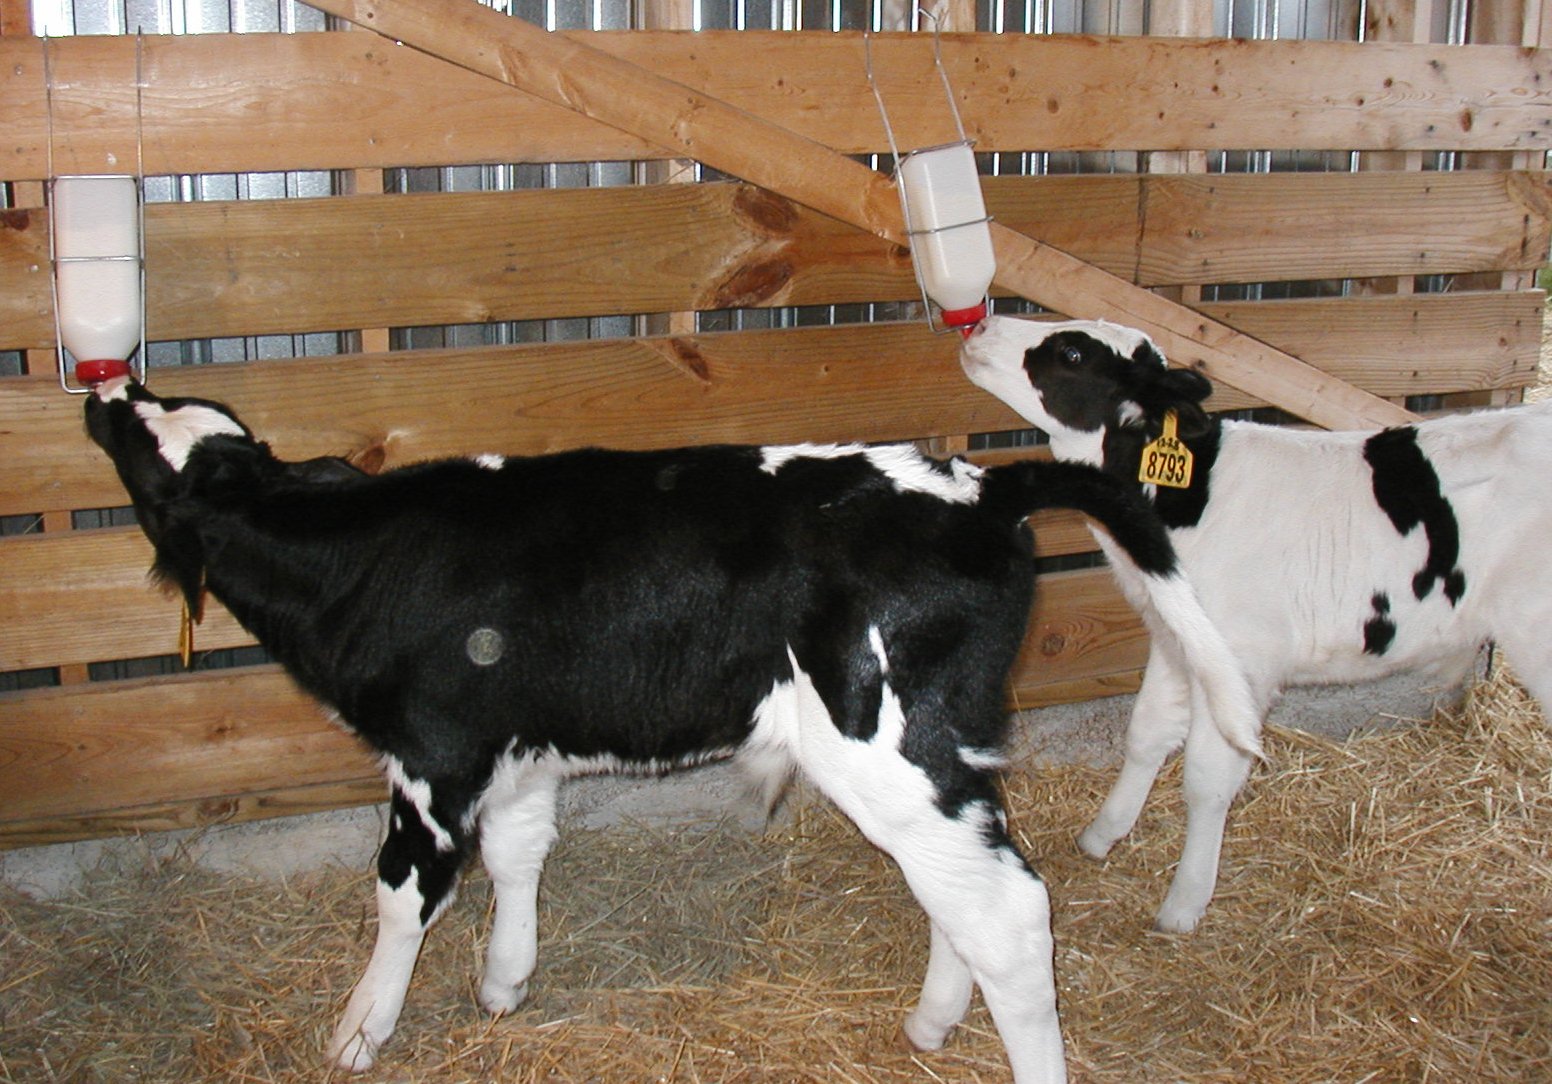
(691, 124)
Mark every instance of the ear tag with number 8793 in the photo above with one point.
(1166, 461)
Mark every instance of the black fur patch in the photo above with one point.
(1081, 380)
(1117, 504)
(1379, 630)
(411, 845)
(1407, 488)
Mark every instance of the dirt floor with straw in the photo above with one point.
(1385, 915)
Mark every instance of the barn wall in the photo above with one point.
(1409, 276)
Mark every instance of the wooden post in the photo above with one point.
(688, 123)
(1185, 19)
(366, 182)
(665, 15)
(1407, 21)
(1505, 22)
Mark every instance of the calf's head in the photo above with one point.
(182, 461)
(1083, 381)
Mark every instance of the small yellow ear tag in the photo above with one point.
(186, 636)
(1166, 461)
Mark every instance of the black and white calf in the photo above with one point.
(1321, 557)
(492, 626)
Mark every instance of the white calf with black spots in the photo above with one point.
(1321, 557)
(492, 626)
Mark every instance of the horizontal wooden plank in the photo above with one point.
(96, 748)
(77, 597)
(1415, 344)
(167, 816)
(155, 753)
(1234, 228)
(256, 102)
(287, 266)
(870, 383)
(1081, 629)
(293, 266)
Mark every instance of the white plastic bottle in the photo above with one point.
(97, 279)
(951, 242)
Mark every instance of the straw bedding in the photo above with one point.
(1385, 914)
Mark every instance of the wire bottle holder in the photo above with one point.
(946, 221)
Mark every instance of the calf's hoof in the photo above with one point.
(354, 1053)
(1094, 845)
(1176, 919)
(498, 999)
(923, 1035)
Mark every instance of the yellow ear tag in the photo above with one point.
(1166, 461)
(186, 636)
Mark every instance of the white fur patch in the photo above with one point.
(115, 390)
(490, 461)
(774, 457)
(985, 760)
(177, 432)
(902, 464)
(532, 764)
(876, 642)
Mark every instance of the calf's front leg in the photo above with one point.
(417, 872)
(1160, 720)
(1214, 773)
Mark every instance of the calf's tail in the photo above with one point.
(1130, 520)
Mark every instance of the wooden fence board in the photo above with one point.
(83, 596)
(71, 825)
(1414, 344)
(94, 755)
(1219, 229)
(116, 744)
(872, 383)
(292, 266)
(346, 101)
(892, 382)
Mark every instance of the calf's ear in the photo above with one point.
(324, 469)
(1180, 390)
(180, 563)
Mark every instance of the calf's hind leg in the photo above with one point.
(1529, 653)
(417, 871)
(991, 915)
(517, 829)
